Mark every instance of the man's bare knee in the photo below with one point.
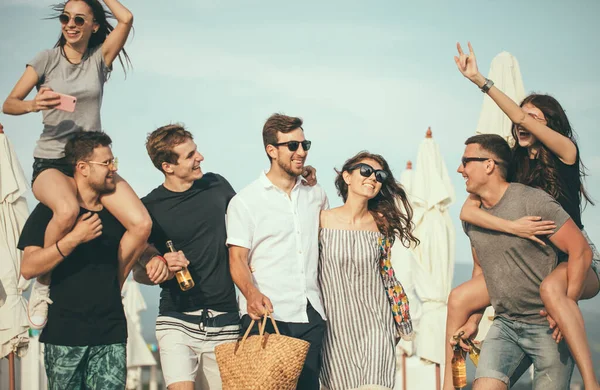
(489, 384)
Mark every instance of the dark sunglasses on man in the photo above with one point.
(293, 145)
(466, 160)
(366, 170)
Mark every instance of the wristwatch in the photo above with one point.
(486, 87)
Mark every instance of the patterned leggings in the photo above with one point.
(88, 367)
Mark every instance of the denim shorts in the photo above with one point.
(595, 255)
(41, 164)
(510, 346)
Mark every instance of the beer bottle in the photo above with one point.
(459, 366)
(183, 275)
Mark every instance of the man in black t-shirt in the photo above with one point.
(86, 332)
(189, 209)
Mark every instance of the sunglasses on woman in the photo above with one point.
(366, 170)
(64, 19)
(293, 145)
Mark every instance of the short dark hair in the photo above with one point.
(497, 146)
(279, 123)
(82, 144)
(160, 143)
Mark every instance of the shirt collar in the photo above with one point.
(269, 184)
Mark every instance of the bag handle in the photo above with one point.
(261, 327)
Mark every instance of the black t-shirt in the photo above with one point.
(195, 221)
(87, 308)
(570, 183)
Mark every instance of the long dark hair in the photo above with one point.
(389, 217)
(101, 16)
(545, 175)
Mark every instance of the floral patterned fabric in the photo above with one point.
(394, 291)
(92, 367)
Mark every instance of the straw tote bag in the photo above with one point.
(262, 362)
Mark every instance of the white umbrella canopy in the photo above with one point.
(406, 178)
(138, 353)
(403, 261)
(431, 195)
(506, 75)
(13, 214)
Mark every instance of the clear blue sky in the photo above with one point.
(363, 75)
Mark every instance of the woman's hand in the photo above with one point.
(44, 100)
(310, 174)
(530, 227)
(467, 65)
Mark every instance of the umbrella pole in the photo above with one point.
(11, 371)
(153, 382)
(437, 377)
(403, 371)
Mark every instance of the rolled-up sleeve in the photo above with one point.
(240, 226)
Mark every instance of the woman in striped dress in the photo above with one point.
(365, 305)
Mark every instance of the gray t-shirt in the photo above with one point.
(85, 81)
(514, 267)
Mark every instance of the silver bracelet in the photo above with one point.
(486, 87)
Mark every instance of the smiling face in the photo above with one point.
(78, 36)
(475, 173)
(187, 167)
(101, 178)
(525, 138)
(291, 162)
(358, 185)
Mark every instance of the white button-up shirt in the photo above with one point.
(282, 234)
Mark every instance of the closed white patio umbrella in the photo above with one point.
(403, 262)
(13, 214)
(431, 195)
(407, 177)
(138, 354)
(506, 75)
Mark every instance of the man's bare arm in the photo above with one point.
(570, 240)
(242, 277)
(150, 269)
(37, 260)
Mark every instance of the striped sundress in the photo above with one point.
(359, 343)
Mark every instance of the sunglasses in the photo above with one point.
(293, 145)
(366, 170)
(112, 164)
(64, 19)
(466, 160)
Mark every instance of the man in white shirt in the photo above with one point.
(272, 233)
